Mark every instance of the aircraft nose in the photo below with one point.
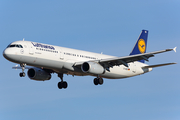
(7, 53)
(11, 55)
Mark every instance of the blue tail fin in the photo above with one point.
(141, 44)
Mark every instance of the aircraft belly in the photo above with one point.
(116, 72)
(121, 71)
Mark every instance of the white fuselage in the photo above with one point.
(61, 59)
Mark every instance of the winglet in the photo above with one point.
(174, 49)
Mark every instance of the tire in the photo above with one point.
(65, 85)
(100, 81)
(95, 81)
(60, 85)
(20, 74)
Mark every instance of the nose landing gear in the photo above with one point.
(22, 74)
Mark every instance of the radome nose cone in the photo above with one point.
(11, 55)
(6, 54)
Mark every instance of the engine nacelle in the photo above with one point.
(92, 67)
(38, 74)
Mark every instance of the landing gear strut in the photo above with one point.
(62, 84)
(98, 80)
(22, 74)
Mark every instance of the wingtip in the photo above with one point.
(175, 49)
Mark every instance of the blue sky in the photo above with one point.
(111, 27)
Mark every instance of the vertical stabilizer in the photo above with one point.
(141, 44)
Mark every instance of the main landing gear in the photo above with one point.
(22, 74)
(98, 80)
(62, 84)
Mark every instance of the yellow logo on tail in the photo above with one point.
(142, 45)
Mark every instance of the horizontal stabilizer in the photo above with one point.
(158, 65)
(18, 67)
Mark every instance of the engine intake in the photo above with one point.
(38, 74)
(92, 67)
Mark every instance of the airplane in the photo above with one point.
(42, 60)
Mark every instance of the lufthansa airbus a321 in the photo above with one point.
(42, 60)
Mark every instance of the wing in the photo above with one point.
(116, 61)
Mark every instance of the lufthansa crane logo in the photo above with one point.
(142, 46)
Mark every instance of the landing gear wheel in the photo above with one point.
(22, 74)
(65, 85)
(95, 81)
(98, 81)
(62, 85)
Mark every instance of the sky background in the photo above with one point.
(108, 26)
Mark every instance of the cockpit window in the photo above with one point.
(15, 45)
(19, 46)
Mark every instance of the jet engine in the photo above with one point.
(38, 74)
(92, 67)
